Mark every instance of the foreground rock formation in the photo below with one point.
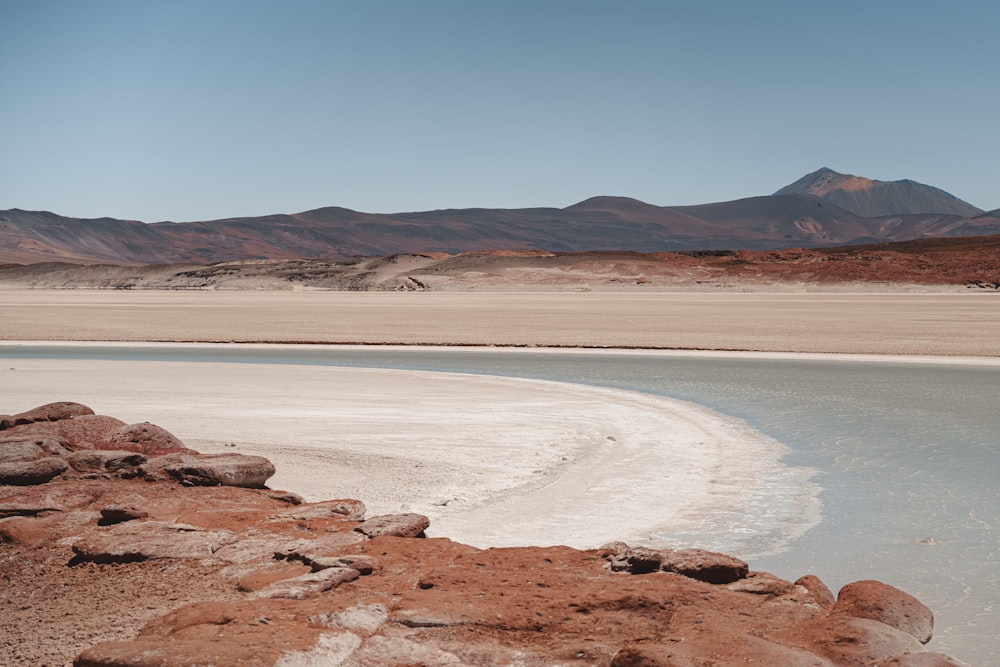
(119, 546)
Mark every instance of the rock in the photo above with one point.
(6, 421)
(106, 460)
(365, 565)
(28, 473)
(285, 496)
(84, 432)
(156, 653)
(113, 514)
(636, 560)
(146, 438)
(846, 640)
(144, 540)
(308, 585)
(348, 509)
(314, 549)
(707, 566)
(886, 604)
(30, 449)
(51, 412)
(820, 592)
(9, 509)
(762, 583)
(210, 469)
(396, 525)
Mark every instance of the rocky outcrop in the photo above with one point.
(885, 604)
(258, 577)
(68, 439)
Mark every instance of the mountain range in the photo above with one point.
(822, 209)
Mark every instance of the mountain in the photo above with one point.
(869, 198)
(784, 220)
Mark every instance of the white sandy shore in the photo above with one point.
(493, 461)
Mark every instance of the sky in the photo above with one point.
(203, 109)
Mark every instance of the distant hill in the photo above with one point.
(785, 220)
(869, 198)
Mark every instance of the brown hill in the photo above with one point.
(962, 261)
(599, 223)
(870, 198)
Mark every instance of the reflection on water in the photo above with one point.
(908, 455)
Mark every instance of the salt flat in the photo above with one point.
(493, 461)
(950, 324)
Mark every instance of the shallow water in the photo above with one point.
(908, 456)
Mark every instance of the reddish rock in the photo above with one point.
(144, 540)
(395, 525)
(51, 412)
(707, 566)
(6, 421)
(193, 469)
(886, 604)
(309, 585)
(146, 438)
(762, 583)
(819, 591)
(121, 513)
(30, 449)
(846, 640)
(636, 560)
(106, 461)
(84, 432)
(26, 473)
(349, 509)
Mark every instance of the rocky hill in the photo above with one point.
(120, 546)
(972, 262)
(870, 198)
(814, 212)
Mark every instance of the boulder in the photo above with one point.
(146, 438)
(29, 473)
(846, 640)
(144, 540)
(396, 525)
(886, 604)
(6, 421)
(29, 449)
(707, 566)
(113, 514)
(106, 460)
(51, 412)
(762, 583)
(84, 432)
(820, 591)
(210, 469)
(636, 560)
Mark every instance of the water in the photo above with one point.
(908, 456)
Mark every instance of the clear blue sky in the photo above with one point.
(194, 110)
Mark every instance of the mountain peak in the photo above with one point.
(872, 198)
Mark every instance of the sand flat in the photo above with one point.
(950, 324)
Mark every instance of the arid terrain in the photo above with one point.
(928, 264)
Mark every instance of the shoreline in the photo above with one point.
(596, 459)
(972, 360)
